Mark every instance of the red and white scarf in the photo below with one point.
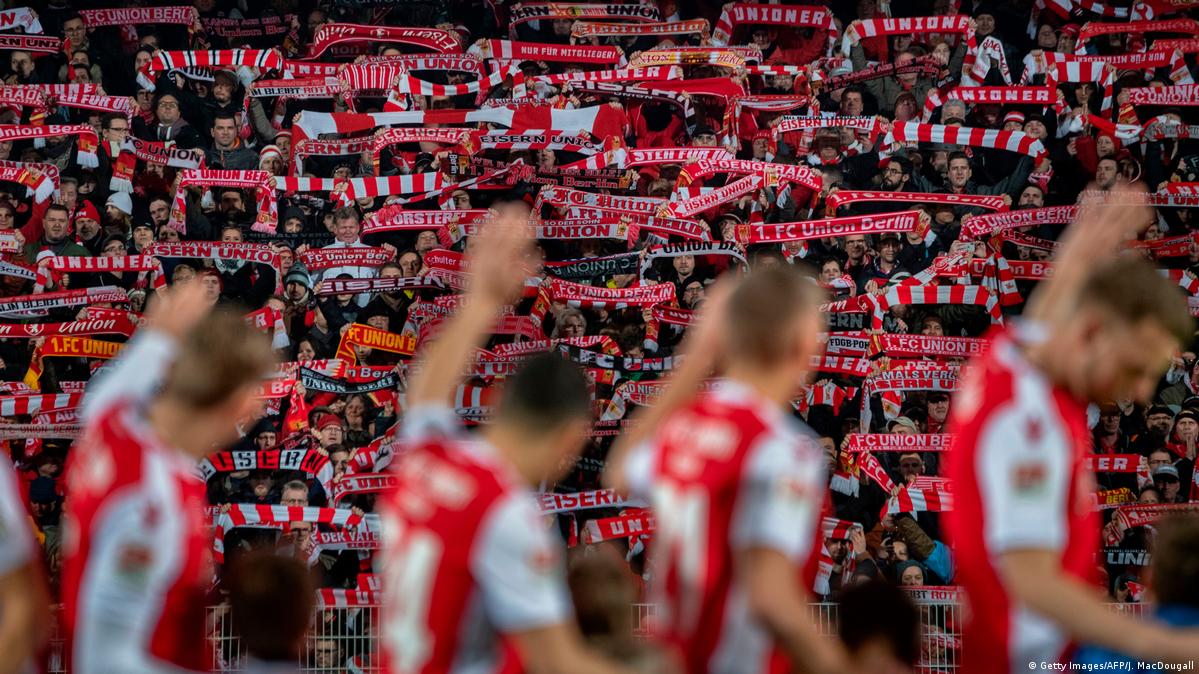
(980, 226)
(38, 44)
(1180, 94)
(720, 196)
(1013, 141)
(276, 516)
(640, 75)
(88, 141)
(554, 503)
(895, 442)
(634, 523)
(159, 153)
(831, 527)
(396, 218)
(989, 202)
(164, 61)
(316, 259)
(511, 50)
(727, 57)
(30, 404)
(262, 181)
(181, 15)
(363, 483)
(1094, 28)
(952, 294)
(1043, 95)
(432, 39)
(259, 253)
(21, 17)
(50, 270)
(118, 324)
(954, 24)
(26, 305)
(923, 494)
(40, 180)
(582, 29)
(791, 16)
(525, 12)
(916, 346)
(905, 221)
(773, 172)
(595, 297)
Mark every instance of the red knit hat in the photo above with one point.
(86, 210)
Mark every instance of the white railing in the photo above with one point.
(344, 639)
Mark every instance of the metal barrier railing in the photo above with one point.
(344, 639)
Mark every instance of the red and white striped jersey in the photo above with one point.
(467, 558)
(728, 473)
(136, 561)
(1021, 482)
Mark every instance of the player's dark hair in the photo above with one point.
(546, 392)
(878, 610)
(1175, 562)
(271, 600)
(1131, 290)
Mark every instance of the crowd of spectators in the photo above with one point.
(1091, 135)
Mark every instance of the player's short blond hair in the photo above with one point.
(764, 309)
(219, 356)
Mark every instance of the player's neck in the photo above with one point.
(776, 385)
(1049, 361)
(181, 428)
(515, 449)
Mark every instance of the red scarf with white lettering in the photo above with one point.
(902, 222)
(88, 141)
(316, 259)
(432, 39)
(50, 270)
(261, 181)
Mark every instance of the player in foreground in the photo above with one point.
(473, 580)
(136, 558)
(24, 602)
(1103, 328)
(737, 483)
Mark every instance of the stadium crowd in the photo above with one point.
(324, 167)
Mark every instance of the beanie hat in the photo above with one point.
(121, 201)
(298, 274)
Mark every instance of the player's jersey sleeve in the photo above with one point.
(519, 568)
(134, 375)
(780, 496)
(1023, 475)
(430, 422)
(16, 539)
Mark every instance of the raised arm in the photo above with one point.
(497, 275)
(1036, 579)
(702, 346)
